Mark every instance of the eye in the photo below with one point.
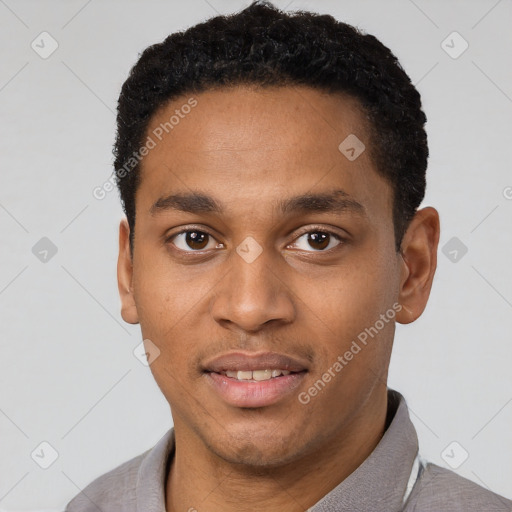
(319, 241)
(193, 240)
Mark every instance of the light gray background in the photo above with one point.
(68, 375)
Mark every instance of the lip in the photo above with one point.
(251, 394)
(244, 361)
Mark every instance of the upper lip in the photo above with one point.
(233, 361)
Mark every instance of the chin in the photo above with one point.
(264, 449)
(252, 456)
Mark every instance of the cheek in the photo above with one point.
(161, 314)
(349, 309)
(166, 316)
(164, 292)
(173, 307)
(353, 298)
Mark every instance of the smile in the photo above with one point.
(251, 380)
(255, 375)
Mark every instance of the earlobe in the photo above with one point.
(419, 262)
(125, 275)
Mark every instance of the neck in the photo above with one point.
(199, 480)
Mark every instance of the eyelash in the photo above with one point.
(190, 229)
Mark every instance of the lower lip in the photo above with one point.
(241, 393)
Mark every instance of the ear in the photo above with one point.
(125, 275)
(419, 261)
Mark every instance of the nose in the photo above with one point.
(253, 294)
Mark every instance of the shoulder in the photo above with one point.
(114, 491)
(439, 489)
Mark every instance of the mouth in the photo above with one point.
(254, 380)
(255, 375)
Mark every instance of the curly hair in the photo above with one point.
(262, 45)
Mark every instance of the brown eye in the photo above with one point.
(193, 240)
(196, 239)
(319, 240)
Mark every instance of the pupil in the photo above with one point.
(196, 239)
(321, 239)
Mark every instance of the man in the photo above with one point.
(271, 167)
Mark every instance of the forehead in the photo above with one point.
(258, 142)
(250, 118)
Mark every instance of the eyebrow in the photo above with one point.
(337, 201)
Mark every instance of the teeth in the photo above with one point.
(262, 374)
(256, 375)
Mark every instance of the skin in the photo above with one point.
(249, 148)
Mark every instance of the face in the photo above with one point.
(262, 247)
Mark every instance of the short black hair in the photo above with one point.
(262, 45)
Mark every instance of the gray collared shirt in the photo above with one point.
(392, 479)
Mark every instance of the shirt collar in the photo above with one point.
(379, 483)
(152, 475)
